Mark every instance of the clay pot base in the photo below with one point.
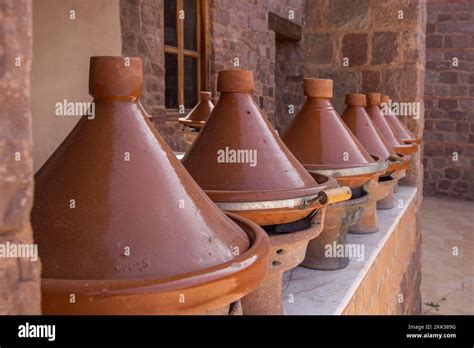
(387, 186)
(380, 189)
(368, 221)
(184, 294)
(412, 141)
(398, 164)
(286, 252)
(338, 218)
(190, 133)
(278, 212)
(407, 150)
(353, 177)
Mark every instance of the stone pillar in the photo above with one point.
(19, 276)
(449, 100)
(369, 45)
(142, 28)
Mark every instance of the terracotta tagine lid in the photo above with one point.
(398, 127)
(373, 109)
(362, 126)
(321, 141)
(117, 216)
(198, 116)
(238, 156)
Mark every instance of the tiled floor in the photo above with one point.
(447, 285)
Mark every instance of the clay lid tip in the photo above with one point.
(384, 98)
(206, 95)
(115, 76)
(373, 99)
(235, 81)
(318, 88)
(356, 99)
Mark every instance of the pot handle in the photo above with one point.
(335, 195)
(330, 196)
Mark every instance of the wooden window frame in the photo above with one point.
(201, 55)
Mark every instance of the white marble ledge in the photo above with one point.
(309, 292)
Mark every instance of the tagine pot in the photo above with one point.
(362, 126)
(121, 226)
(338, 219)
(318, 137)
(321, 141)
(197, 117)
(274, 191)
(398, 127)
(375, 113)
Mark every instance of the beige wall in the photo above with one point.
(61, 51)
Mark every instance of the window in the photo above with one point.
(186, 52)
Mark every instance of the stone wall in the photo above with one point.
(376, 46)
(370, 46)
(392, 284)
(19, 277)
(142, 29)
(449, 100)
(237, 29)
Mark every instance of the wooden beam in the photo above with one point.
(284, 28)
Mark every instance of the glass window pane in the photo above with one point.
(190, 25)
(190, 82)
(171, 81)
(170, 23)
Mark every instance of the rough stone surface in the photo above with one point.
(449, 131)
(142, 28)
(19, 277)
(237, 29)
(353, 14)
(320, 51)
(355, 48)
(393, 61)
(385, 48)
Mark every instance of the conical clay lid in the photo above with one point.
(237, 156)
(318, 137)
(113, 202)
(373, 109)
(198, 116)
(360, 124)
(398, 126)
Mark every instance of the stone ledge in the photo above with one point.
(336, 292)
(284, 28)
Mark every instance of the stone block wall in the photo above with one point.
(19, 276)
(237, 29)
(370, 46)
(449, 100)
(392, 284)
(142, 29)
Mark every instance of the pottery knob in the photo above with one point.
(318, 88)
(384, 99)
(356, 99)
(206, 96)
(373, 99)
(115, 77)
(235, 81)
